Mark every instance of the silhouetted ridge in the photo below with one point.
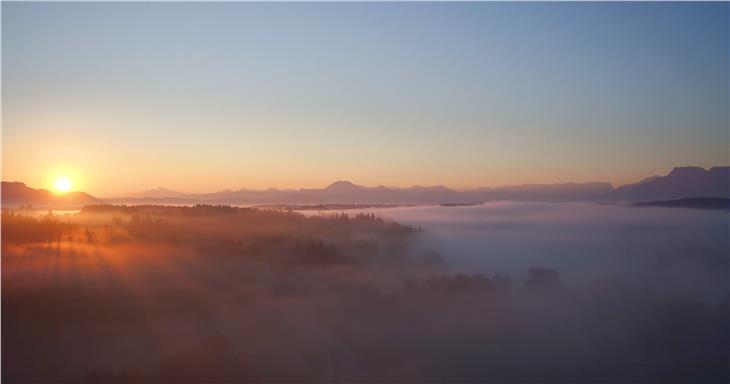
(342, 186)
(159, 192)
(681, 182)
(15, 194)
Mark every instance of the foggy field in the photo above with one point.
(220, 294)
(686, 250)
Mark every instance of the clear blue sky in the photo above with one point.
(205, 96)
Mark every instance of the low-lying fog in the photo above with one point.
(583, 241)
(502, 292)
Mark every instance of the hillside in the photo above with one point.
(16, 194)
(681, 182)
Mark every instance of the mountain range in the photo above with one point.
(346, 192)
(681, 182)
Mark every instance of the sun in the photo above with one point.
(62, 184)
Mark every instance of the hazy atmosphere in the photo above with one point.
(365, 192)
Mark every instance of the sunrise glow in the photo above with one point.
(62, 185)
(343, 192)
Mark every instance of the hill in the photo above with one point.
(681, 182)
(16, 194)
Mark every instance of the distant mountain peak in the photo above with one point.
(680, 182)
(686, 171)
(162, 189)
(342, 185)
(156, 193)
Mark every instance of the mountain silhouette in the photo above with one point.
(347, 192)
(159, 192)
(343, 186)
(681, 182)
(15, 194)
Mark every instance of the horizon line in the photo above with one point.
(127, 194)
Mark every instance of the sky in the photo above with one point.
(200, 97)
